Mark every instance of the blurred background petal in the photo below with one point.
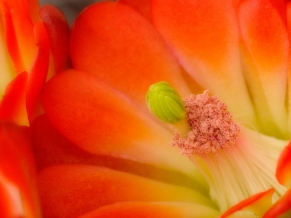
(71, 8)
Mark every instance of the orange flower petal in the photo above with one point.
(123, 49)
(284, 167)
(13, 105)
(288, 13)
(204, 37)
(18, 33)
(280, 6)
(79, 189)
(258, 204)
(52, 148)
(38, 72)
(33, 9)
(266, 43)
(103, 121)
(30, 7)
(10, 36)
(280, 207)
(18, 196)
(58, 32)
(142, 6)
(149, 210)
(7, 68)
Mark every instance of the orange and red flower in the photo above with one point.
(28, 36)
(99, 150)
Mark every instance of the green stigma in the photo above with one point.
(164, 102)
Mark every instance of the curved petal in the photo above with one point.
(58, 32)
(33, 9)
(142, 6)
(79, 189)
(13, 105)
(38, 71)
(18, 196)
(29, 7)
(288, 15)
(280, 207)
(7, 71)
(284, 167)
(204, 37)
(123, 49)
(52, 148)
(149, 210)
(266, 45)
(103, 121)
(280, 6)
(258, 204)
(18, 28)
(10, 36)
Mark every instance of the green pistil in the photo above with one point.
(164, 102)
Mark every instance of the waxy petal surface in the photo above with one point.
(288, 15)
(79, 189)
(280, 6)
(266, 43)
(280, 207)
(204, 38)
(7, 70)
(149, 210)
(284, 167)
(18, 196)
(29, 7)
(18, 28)
(142, 6)
(38, 71)
(52, 148)
(258, 204)
(103, 121)
(58, 32)
(13, 104)
(124, 50)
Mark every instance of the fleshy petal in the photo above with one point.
(18, 33)
(280, 6)
(284, 167)
(288, 15)
(79, 189)
(266, 43)
(7, 70)
(142, 6)
(58, 32)
(258, 204)
(103, 121)
(280, 207)
(123, 49)
(11, 40)
(18, 196)
(38, 72)
(29, 7)
(204, 37)
(13, 105)
(52, 148)
(149, 210)
(33, 9)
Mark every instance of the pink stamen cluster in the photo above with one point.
(212, 127)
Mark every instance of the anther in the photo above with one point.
(212, 126)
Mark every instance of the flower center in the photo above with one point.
(212, 127)
(235, 161)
